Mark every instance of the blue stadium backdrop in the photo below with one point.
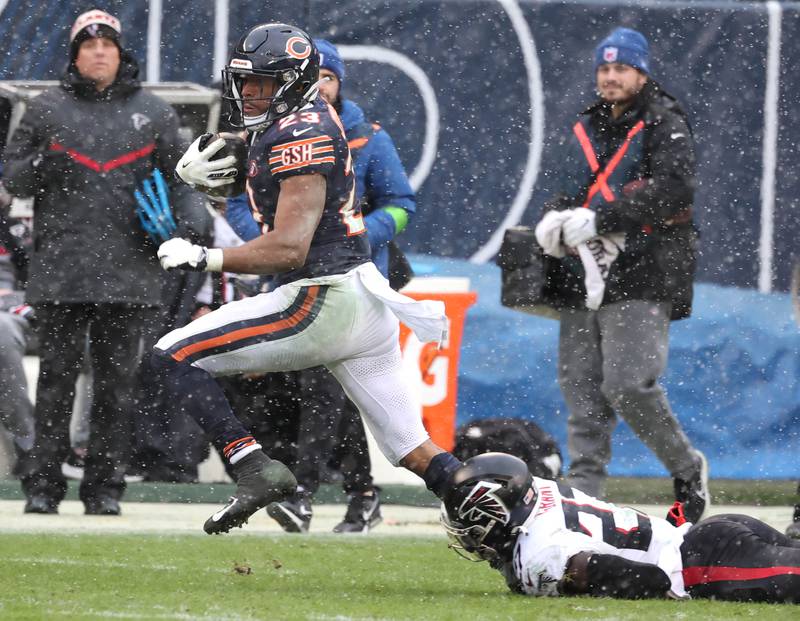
(474, 92)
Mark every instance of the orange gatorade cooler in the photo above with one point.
(437, 369)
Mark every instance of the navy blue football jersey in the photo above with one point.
(310, 141)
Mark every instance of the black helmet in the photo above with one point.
(277, 51)
(491, 497)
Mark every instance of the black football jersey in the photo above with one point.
(310, 141)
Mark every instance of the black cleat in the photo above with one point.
(693, 493)
(259, 482)
(41, 504)
(293, 514)
(363, 513)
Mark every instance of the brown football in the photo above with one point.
(236, 146)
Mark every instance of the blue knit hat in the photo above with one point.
(624, 46)
(329, 58)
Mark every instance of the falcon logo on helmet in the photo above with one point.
(490, 497)
(482, 503)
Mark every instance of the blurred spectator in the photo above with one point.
(621, 226)
(168, 448)
(16, 334)
(793, 530)
(81, 150)
(328, 420)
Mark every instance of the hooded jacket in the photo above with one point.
(653, 187)
(81, 154)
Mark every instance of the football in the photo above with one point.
(234, 145)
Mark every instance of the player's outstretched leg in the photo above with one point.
(259, 482)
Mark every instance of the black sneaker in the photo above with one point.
(40, 504)
(293, 514)
(363, 513)
(105, 505)
(693, 493)
(793, 530)
(259, 482)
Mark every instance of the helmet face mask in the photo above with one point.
(467, 541)
(491, 497)
(283, 53)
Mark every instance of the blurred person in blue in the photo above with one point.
(81, 151)
(328, 422)
(621, 227)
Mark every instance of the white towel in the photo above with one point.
(597, 255)
(426, 318)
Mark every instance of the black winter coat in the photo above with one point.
(654, 210)
(81, 154)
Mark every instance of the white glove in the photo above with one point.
(177, 253)
(548, 233)
(579, 227)
(197, 168)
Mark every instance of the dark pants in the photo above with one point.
(304, 419)
(609, 365)
(168, 444)
(351, 454)
(115, 349)
(739, 558)
(329, 427)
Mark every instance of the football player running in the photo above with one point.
(548, 539)
(329, 305)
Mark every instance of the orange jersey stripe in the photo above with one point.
(318, 160)
(247, 442)
(244, 333)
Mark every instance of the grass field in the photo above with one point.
(318, 577)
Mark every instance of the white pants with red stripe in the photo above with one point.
(340, 322)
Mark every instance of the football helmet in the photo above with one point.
(277, 51)
(490, 498)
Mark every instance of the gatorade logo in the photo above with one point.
(430, 365)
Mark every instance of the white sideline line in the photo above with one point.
(104, 562)
(188, 518)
